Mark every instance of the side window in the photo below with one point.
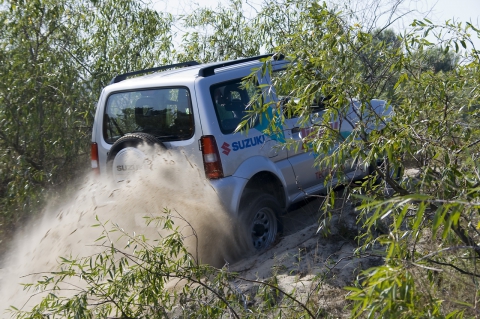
(165, 113)
(285, 92)
(231, 101)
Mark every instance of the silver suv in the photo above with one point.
(196, 108)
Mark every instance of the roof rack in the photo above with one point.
(124, 76)
(210, 70)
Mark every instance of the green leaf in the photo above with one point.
(419, 215)
(438, 219)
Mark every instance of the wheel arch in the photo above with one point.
(265, 182)
(266, 177)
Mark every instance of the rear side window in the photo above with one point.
(285, 92)
(165, 113)
(230, 100)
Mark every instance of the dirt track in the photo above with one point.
(316, 265)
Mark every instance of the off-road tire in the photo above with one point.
(260, 217)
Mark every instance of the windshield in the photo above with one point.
(165, 113)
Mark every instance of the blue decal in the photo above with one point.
(263, 126)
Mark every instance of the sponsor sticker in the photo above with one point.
(242, 144)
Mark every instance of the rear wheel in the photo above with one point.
(261, 219)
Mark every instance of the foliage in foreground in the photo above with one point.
(158, 279)
(426, 223)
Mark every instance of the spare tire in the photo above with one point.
(130, 153)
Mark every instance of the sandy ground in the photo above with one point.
(313, 265)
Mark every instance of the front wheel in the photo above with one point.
(261, 219)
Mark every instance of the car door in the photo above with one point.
(309, 177)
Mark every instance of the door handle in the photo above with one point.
(295, 130)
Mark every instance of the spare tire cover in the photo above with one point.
(131, 153)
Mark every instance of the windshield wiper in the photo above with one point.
(158, 136)
(166, 137)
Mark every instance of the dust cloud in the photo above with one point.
(170, 181)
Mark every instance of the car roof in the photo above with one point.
(185, 74)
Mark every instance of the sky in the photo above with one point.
(463, 10)
(438, 11)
